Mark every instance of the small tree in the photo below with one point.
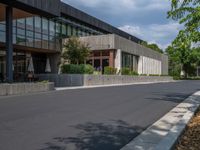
(75, 51)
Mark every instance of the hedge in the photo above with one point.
(126, 71)
(110, 70)
(77, 69)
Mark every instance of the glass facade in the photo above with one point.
(37, 32)
(43, 33)
(2, 32)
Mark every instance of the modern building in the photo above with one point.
(33, 30)
(118, 52)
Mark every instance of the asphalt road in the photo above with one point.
(86, 119)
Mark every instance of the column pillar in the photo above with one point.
(111, 59)
(9, 44)
(118, 60)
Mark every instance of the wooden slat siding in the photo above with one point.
(50, 6)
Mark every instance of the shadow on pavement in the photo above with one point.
(97, 136)
(172, 97)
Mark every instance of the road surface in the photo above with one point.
(86, 119)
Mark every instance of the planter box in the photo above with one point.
(24, 88)
(65, 80)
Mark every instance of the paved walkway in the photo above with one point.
(94, 119)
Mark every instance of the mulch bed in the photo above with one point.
(191, 137)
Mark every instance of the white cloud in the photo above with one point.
(161, 34)
(122, 5)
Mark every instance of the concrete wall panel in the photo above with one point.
(91, 80)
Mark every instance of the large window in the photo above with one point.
(127, 61)
(44, 33)
(64, 31)
(69, 30)
(38, 32)
(29, 32)
(21, 32)
(2, 32)
(38, 24)
(52, 28)
(45, 24)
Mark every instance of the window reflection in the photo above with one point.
(44, 33)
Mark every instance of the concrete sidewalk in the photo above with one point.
(164, 134)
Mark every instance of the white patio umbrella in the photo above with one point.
(48, 66)
(30, 66)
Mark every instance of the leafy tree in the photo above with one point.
(182, 56)
(152, 46)
(187, 12)
(75, 51)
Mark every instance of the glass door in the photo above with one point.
(105, 63)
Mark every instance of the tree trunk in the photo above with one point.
(185, 71)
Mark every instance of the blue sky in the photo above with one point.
(146, 19)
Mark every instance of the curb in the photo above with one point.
(164, 133)
(110, 85)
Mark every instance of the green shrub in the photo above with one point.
(154, 75)
(97, 73)
(65, 68)
(87, 69)
(164, 75)
(126, 71)
(44, 81)
(77, 69)
(110, 70)
(143, 74)
(134, 73)
(176, 78)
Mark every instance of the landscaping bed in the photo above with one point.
(190, 139)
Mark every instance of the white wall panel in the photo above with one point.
(149, 66)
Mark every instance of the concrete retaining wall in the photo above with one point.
(23, 88)
(89, 80)
(63, 79)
